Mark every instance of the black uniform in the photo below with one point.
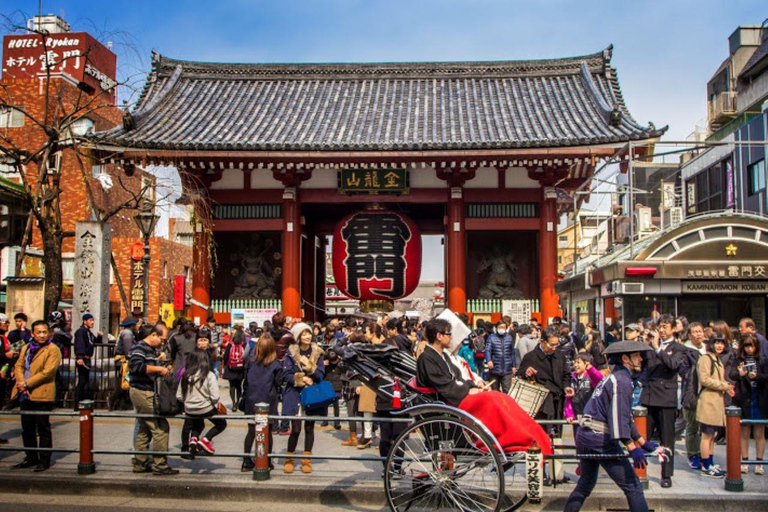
(611, 405)
(660, 395)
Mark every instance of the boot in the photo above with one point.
(289, 463)
(306, 464)
(351, 440)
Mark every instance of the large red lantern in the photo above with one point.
(376, 256)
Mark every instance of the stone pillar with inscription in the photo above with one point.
(93, 249)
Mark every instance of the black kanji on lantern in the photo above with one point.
(376, 245)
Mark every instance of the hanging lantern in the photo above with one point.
(376, 257)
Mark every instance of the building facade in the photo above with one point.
(80, 83)
(475, 152)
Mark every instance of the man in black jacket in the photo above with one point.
(546, 365)
(84, 344)
(660, 389)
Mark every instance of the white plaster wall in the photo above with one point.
(426, 177)
(322, 177)
(230, 179)
(517, 177)
(262, 179)
(485, 177)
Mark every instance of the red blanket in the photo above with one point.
(513, 428)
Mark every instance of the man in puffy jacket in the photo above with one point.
(500, 357)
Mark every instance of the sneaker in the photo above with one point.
(193, 449)
(165, 471)
(713, 471)
(744, 469)
(206, 445)
(694, 462)
(665, 483)
(142, 469)
(759, 470)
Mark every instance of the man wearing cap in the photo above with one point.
(607, 427)
(120, 398)
(84, 343)
(632, 332)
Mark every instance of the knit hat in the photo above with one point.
(87, 316)
(300, 327)
(3, 318)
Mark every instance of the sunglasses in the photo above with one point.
(446, 333)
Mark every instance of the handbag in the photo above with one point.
(318, 396)
(219, 407)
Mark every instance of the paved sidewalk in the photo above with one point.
(332, 482)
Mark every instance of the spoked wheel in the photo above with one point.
(444, 463)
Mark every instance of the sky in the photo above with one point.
(664, 51)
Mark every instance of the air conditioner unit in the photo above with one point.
(643, 219)
(632, 288)
(671, 217)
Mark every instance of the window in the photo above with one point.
(563, 238)
(11, 116)
(165, 270)
(97, 170)
(756, 177)
(68, 268)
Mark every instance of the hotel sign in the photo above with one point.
(725, 287)
(373, 181)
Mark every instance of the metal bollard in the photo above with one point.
(86, 466)
(733, 480)
(261, 459)
(534, 473)
(640, 415)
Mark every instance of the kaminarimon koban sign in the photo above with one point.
(376, 257)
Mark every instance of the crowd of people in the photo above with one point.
(690, 373)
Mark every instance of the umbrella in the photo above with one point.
(627, 347)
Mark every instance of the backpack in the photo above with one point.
(478, 343)
(691, 389)
(235, 361)
(164, 400)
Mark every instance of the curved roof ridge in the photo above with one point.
(597, 62)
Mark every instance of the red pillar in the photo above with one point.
(456, 252)
(291, 253)
(548, 255)
(201, 267)
(610, 311)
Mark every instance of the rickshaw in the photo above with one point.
(446, 459)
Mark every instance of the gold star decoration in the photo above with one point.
(730, 250)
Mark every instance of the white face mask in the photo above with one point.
(501, 331)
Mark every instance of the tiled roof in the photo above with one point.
(398, 106)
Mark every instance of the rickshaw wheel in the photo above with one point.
(443, 463)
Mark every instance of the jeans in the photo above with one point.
(502, 382)
(154, 430)
(692, 434)
(36, 431)
(389, 432)
(83, 388)
(619, 469)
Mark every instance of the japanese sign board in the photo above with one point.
(179, 291)
(518, 310)
(136, 299)
(93, 247)
(374, 181)
(75, 54)
(724, 287)
(246, 316)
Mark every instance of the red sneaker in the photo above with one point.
(206, 445)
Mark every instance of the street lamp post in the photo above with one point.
(146, 221)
